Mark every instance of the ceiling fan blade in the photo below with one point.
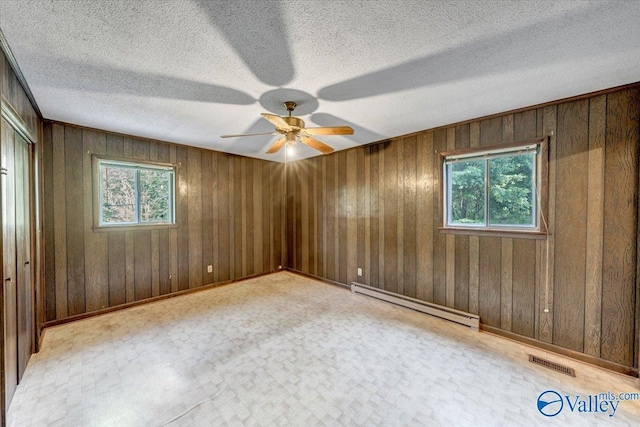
(248, 134)
(315, 144)
(276, 146)
(334, 130)
(276, 121)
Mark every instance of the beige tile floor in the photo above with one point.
(282, 350)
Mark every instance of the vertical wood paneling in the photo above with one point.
(424, 209)
(316, 217)
(89, 270)
(374, 222)
(545, 313)
(362, 248)
(351, 196)
(215, 202)
(278, 209)
(303, 262)
(311, 223)
(390, 275)
(331, 229)
(621, 204)
(194, 216)
(595, 225)
(409, 217)
(60, 221)
(289, 227)
(182, 197)
(207, 223)
(381, 213)
(247, 218)
(255, 190)
(296, 224)
(506, 284)
(16, 96)
(238, 217)
(439, 247)
(75, 235)
(571, 223)
(524, 265)
(264, 190)
(224, 219)
(400, 234)
(342, 235)
(49, 229)
(96, 245)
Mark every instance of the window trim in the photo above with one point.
(96, 160)
(542, 167)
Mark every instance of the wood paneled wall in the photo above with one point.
(14, 93)
(379, 208)
(228, 210)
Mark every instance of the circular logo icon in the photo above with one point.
(550, 403)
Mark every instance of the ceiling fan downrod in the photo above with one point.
(290, 106)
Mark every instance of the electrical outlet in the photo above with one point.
(209, 268)
(359, 272)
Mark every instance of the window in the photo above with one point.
(133, 194)
(495, 189)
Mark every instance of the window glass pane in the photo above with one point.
(118, 195)
(154, 187)
(511, 198)
(467, 196)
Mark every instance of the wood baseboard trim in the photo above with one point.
(591, 360)
(149, 300)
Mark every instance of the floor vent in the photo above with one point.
(552, 365)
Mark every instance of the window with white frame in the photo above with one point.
(133, 194)
(493, 189)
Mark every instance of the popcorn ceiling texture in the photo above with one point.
(188, 71)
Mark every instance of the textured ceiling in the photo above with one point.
(188, 71)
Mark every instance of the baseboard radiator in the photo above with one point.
(457, 316)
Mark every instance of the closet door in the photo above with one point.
(7, 186)
(24, 287)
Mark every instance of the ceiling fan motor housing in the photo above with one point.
(294, 122)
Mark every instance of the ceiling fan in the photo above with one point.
(293, 130)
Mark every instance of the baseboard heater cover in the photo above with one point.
(447, 313)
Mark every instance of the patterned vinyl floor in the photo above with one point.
(283, 350)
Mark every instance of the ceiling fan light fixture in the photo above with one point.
(293, 130)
